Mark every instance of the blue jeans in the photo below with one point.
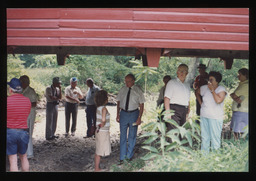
(210, 133)
(126, 120)
(16, 141)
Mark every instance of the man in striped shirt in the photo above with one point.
(18, 109)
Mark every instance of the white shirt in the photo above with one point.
(69, 92)
(136, 97)
(89, 100)
(178, 92)
(209, 108)
(99, 119)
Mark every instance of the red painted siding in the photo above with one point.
(188, 28)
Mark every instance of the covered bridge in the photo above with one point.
(146, 33)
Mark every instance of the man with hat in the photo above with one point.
(72, 94)
(17, 138)
(53, 95)
(200, 80)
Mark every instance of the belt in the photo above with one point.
(179, 105)
(130, 111)
(19, 129)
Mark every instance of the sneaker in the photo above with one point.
(66, 135)
(73, 134)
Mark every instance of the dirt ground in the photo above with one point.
(74, 153)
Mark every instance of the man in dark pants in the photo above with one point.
(73, 94)
(91, 107)
(177, 95)
(53, 95)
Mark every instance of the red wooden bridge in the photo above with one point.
(146, 33)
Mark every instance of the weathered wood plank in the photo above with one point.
(118, 14)
(190, 17)
(146, 34)
(33, 13)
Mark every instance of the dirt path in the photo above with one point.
(72, 154)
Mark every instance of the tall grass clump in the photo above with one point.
(178, 150)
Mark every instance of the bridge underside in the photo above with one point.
(149, 56)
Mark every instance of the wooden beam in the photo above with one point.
(71, 50)
(228, 62)
(61, 58)
(153, 56)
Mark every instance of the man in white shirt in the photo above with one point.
(177, 95)
(73, 94)
(129, 99)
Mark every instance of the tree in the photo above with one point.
(143, 71)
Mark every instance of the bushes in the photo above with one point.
(185, 155)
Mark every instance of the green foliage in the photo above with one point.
(185, 155)
(174, 139)
(129, 166)
(14, 67)
(42, 61)
(142, 71)
(109, 71)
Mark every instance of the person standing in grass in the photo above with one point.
(130, 107)
(102, 134)
(240, 104)
(177, 96)
(212, 111)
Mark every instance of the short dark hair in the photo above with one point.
(89, 80)
(101, 97)
(132, 76)
(245, 72)
(216, 75)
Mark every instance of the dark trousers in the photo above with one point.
(179, 115)
(51, 119)
(90, 117)
(198, 107)
(71, 108)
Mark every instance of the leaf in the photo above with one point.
(149, 156)
(150, 139)
(188, 136)
(149, 124)
(148, 134)
(172, 132)
(150, 148)
(162, 127)
(182, 131)
(171, 146)
(172, 122)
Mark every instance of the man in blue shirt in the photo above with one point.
(91, 107)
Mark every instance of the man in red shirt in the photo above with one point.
(18, 109)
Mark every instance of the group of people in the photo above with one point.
(210, 95)
(175, 95)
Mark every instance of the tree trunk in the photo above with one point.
(193, 64)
